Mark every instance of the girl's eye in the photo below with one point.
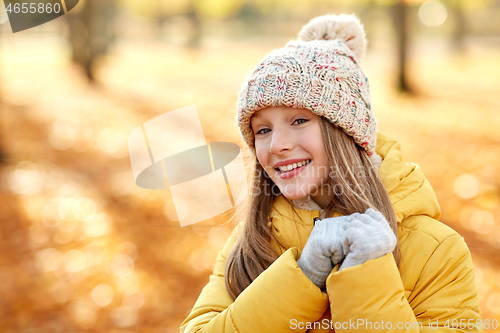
(301, 120)
(264, 129)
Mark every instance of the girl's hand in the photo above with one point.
(323, 249)
(368, 236)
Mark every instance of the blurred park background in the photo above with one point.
(83, 249)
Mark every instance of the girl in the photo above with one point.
(339, 234)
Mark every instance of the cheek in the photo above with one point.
(319, 151)
(261, 158)
(315, 143)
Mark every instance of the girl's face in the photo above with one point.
(290, 148)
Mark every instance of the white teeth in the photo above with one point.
(293, 166)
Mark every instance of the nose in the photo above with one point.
(281, 141)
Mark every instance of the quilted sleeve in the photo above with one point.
(371, 296)
(445, 293)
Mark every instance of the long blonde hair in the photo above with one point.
(356, 185)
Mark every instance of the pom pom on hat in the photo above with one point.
(333, 27)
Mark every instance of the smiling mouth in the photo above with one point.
(290, 167)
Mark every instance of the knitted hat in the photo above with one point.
(319, 72)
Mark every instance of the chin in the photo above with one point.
(294, 195)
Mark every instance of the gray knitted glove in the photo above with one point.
(368, 236)
(323, 249)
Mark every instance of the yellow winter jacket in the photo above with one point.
(433, 291)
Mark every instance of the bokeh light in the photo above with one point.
(482, 222)
(128, 283)
(102, 295)
(97, 225)
(122, 265)
(27, 178)
(124, 316)
(432, 13)
(62, 237)
(201, 260)
(75, 260)
(62, 291)
(83, 311)
(69, 209)
(48, 259)
(133, 299)
(495, 237)
(494, 303)
(466, 186)
(113, 143)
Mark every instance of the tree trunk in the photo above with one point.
(89, 57)
(91, 33)
(460, 27)
(366, 18)
(400, 13)
(194, 39)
